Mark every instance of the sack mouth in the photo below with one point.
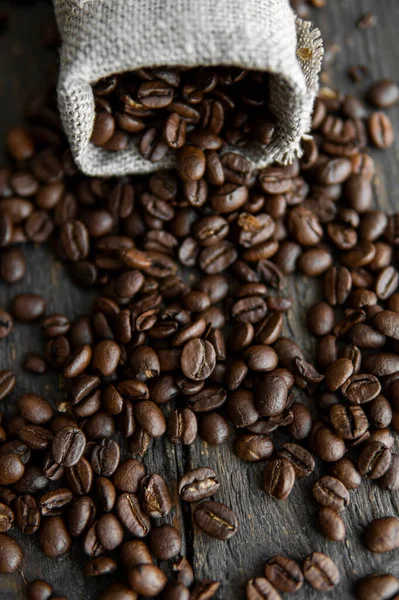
(267, 37)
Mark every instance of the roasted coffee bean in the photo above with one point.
(331, 524)
(284, 574)
(320, 571)
(34, 363)
(35, 437)
(271, 395)
(216, 520)
(378, 586)
(155, 496)
(359, 389)
(68, 446)
(330, 492)
(80, 477)
(100, 566)
(7, 379)
(165, 542)
(279, 478)
(198, 484)
(28, 307)
(131, 515)
(252, 448)
(302, 461)
(53, 503)
(81, 515)
(381, 130)
(6, 518)
(10, 554)
(77, 362)
(241, 408)
(35, 409)
(39, 590)
(214, 428)
(261, 589)
(383, 93)
(338, 373)
(329, 446)
(350, 422)
(198, 359)
(12, 265)
(129, 473)
(105, 458)
(182, 427)
(382, 535)
(54, 538)
(147, 580)
(374, 460)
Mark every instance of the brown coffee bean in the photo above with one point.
(7, 380)
(68, 446)
(320, 571)
(374, 460)
(331, 524)
(284, 574)
(279, 478)
(302, 461)
(330, 492)
(381, 130)
(28, 307)
(10, 554)
(382, 535)
(216, 520)
(147, 580)
(155, 496)
(338, 373)
(131, 515)
(54, 538)
(377, 585)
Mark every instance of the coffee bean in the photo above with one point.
(165, 542)
(131, 514)
(279, 478)
(330, 492)
(284, 574)
(338, 373)
(377, 586)
(68, 446)
(11, 469)
(7, 380)
(39, 590)
(100, 566)
(329, 446)
(81, 515)
(380, 130)
(198, 359)
(155, 496)
(252, 448)
(331, 524)
(77, 362)
(271, 395)
(383, 93)
(27, 515)
(350, 422)
(10, 554)
(54, 538)
(6, 518)
(374, 460)
(216, 520)
(182, 427)
(302, 461)
(28, 307)
(52, 503)
(261, 589)
(320, 571)
(381, 535)
(198, 484)
(147, 580)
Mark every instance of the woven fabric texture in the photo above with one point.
(102, 37)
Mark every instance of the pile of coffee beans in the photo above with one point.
(185, 337)
(194, 111)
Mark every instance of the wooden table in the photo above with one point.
(267, 527)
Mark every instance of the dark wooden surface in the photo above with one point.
(267, 527)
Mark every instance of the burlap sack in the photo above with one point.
(102, 37)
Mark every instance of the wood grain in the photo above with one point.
(266, 527)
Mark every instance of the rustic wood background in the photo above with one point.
(267, 527)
